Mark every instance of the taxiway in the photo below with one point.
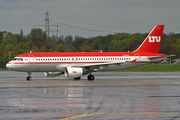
(112, 96)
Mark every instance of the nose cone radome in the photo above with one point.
(9, 65)
(14, 66)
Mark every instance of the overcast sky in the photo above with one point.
(90, 18)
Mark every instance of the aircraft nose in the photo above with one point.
(14, 66)
(9, 65)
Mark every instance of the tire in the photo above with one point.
(78, 78)
(28, 78)
(90, 77)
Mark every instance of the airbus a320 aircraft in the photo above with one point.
(76, 64)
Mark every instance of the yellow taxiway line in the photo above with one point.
(89, 114)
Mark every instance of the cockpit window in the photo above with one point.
(17, 59)
(14, 59)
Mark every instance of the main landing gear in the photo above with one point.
(90, 77)
(29, 76)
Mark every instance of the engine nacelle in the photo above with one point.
(73, 72)
(52, 74)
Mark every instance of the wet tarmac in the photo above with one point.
(112, 96)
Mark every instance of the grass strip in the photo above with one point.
(155, 68)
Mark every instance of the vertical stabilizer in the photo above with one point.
(152, 41)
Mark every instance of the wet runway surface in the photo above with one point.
(112, 96)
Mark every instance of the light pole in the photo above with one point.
(9, 55)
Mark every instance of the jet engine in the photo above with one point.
(73, 72)
(52, 74)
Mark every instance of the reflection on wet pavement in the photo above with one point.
(100, 99)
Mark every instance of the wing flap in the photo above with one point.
(160, 57)
(107, 63)
(100, 64)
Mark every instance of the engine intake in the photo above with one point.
(52, 74)
(73, 72)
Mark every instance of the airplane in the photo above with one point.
(76, 64)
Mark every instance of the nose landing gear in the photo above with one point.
(29, 76)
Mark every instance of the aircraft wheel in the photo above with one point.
(28, 78)
(90, 77)
(78, 78)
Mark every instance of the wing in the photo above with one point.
(93, 65)
(101, 64)
(158, 58)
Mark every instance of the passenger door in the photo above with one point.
(31, 60)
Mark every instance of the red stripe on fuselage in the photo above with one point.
(89, 54)
(75, 62)
(52, 62)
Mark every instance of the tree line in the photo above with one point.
(37, 41)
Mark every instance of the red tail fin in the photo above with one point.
(152, 41)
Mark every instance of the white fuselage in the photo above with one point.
(45, 64)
